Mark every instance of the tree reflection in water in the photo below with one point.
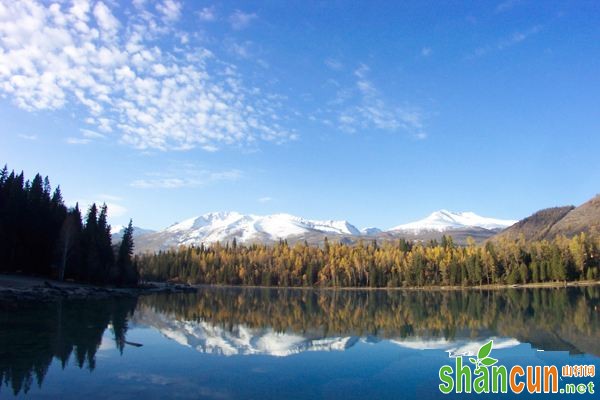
(569, 315)
(33, 334)
(71, 331)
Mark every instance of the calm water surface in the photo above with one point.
(224, 343)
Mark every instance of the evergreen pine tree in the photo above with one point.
(91, 263)
(105, 250)
(127, 272)
(70, 233)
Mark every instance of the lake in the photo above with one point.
(242, 343)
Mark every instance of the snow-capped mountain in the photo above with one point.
(244, 228)
(443, 220)
(116, 232)
(371, 231)
(248, 228)
(215, 227)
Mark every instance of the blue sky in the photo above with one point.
(375, 112)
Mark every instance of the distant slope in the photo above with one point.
(551, 222)
(536, 226)
(584, 218)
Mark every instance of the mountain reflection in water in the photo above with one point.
(282, 322)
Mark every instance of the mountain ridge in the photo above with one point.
(537, 225)
(551, 222)
(250, 228)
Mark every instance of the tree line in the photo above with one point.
(399, 263)
(40, 236)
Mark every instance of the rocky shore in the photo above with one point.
(14, 288)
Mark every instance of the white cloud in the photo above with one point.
(185, 177)
(114, 209)
(518, 37)
(28, 137)
(106, 20)
(265, 199)
(426, 51)
(207, 14)
(109, 197)
(507, 42)
(240, 20)
(139, 3)
(241, 50)
(362, 71)
(59, 55)
(506, 5)
(88, 134)
(334, 64)
(77, 140)
(170, 10)
(363, 107)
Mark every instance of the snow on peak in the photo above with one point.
(444, 220)
(224, 226)
(370, 231)
(117, 231)
(249, 228)
(208, 219)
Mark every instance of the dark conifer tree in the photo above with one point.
(105, 250)
(3, 175)
(75, 264)
(69, 247)
(91, 260)
(127, 271)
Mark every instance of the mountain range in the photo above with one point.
(248, 228)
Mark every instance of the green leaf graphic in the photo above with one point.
(485, 350)
(489, 361)
(474, 361)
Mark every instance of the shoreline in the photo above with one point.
(15, 288)
(540, 285)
